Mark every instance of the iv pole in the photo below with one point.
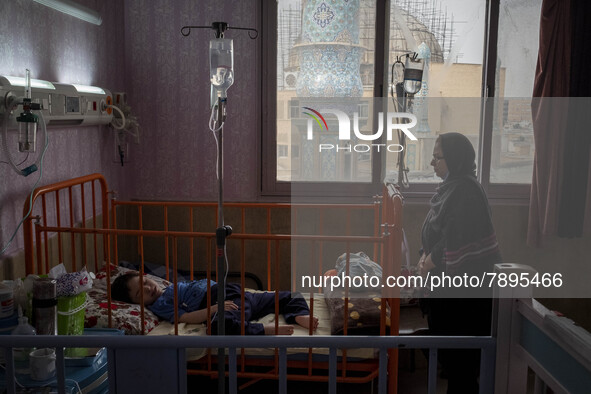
(403, 88)
(223, 231)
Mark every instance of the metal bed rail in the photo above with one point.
(531, 337)
(551, 346)
(174, 373)
(70, 211)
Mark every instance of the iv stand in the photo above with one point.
(402, 106)
(223, 231)
(403, 102)
(401, 156)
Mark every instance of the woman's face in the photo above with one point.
(438, 162)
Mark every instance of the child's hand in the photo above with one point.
(228, 306)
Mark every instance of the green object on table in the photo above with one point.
(70, 319)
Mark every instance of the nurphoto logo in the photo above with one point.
(402, 121)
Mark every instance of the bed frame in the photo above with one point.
(525, 334)
(78, 222)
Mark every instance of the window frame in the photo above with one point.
(270, 187)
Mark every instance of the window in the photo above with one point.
(282, 151)
(325, 50)
(294, 108)
(513, 138)
(448, 35)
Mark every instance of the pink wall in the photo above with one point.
(168, 86)
(138, 49)
(57, 47)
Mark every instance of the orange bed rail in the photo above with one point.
(63, 212)
(79, 211)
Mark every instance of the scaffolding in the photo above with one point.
(427, 20)
(289, 34)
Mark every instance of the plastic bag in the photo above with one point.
(57, 271)
(70, 284)
(359, 265)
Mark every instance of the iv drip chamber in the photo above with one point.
(221, 65)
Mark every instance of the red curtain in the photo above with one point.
(561, 114)
(552, 80)
(577, 147)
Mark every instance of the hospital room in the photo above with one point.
(342, 196)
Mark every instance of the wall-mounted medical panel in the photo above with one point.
(61, 104)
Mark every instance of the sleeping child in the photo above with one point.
(192, 301)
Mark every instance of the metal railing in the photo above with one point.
(232, 343)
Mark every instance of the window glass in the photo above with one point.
(448, 35)
(282, 150)
(513, 140)
(325, 50)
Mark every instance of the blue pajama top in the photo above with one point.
(190, 296)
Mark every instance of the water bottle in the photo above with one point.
(21, 354)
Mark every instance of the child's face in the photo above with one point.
(151, 290)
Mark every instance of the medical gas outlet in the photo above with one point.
(61, 104)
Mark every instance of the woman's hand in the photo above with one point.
(425, 264)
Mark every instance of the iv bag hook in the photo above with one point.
(220, 28)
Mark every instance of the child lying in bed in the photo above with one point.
(192, 304)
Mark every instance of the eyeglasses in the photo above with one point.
(437, 158)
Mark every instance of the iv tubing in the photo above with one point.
(212, 124)
(42, 156)
(122, 117)
(123, 123)
(212, 121)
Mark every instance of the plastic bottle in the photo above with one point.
(21, 355)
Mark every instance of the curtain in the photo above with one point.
(551, 80)
(578, 133)
(561, 110)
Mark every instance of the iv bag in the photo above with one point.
(221, 65)
(413, 75)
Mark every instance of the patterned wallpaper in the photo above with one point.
(57, 47)
(138, 49)
(167, 77)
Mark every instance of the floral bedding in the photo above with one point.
(125, 316)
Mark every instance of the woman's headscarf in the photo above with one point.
(458, 228)
(459, 154)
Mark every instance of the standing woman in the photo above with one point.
(458, 238)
